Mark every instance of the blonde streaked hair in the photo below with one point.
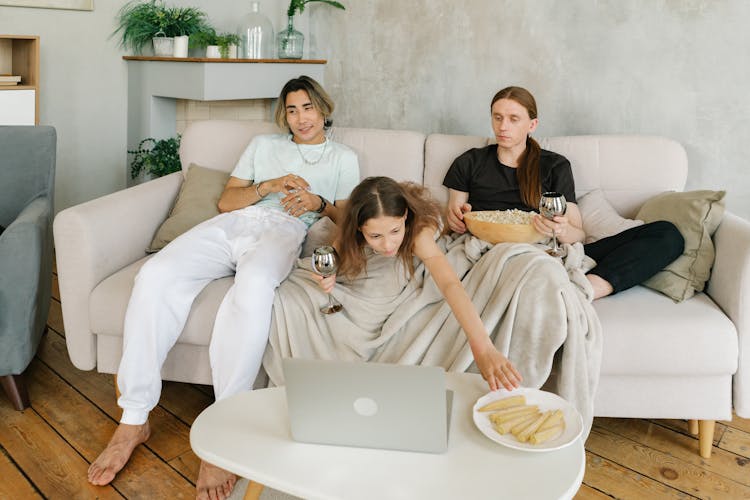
(318, 97)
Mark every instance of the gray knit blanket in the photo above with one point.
(536, 309)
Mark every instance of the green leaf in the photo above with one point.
(138, 22)
(296, 6)
(160, 159)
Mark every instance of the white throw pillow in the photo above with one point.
(599, 218)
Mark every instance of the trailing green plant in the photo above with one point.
(224, 40)
(203, 38)
(210, 37)
(296, 6)
(138, 22)
(161, 158)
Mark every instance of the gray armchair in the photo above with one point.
(27, 176)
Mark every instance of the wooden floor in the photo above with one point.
(46, 449)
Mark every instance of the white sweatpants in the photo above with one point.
(259, 246)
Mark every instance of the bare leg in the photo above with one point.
(602, 288)
(117, 453)
(214, 483)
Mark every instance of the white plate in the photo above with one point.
(545, 401)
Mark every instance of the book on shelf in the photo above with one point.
(9, 79)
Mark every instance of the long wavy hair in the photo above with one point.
(527, 173)
(383, 196)
(318, 97)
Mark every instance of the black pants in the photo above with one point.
(633, 256)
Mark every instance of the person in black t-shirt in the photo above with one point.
(515, 172)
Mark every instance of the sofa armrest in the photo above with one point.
(729, 287)
(95, 239)
(25, 279)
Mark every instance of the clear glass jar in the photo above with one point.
(290, 42)
(256, 35)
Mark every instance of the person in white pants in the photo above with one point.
(279, 187)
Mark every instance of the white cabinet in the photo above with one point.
(19, 103)
(18, 107)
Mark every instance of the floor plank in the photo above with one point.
(55, 288)
(681, 426)
(187, 464)
(737, 441)
(87, 429)
(54, 317)
(589, 493)
(46, 459)
(742, 424)
(13, 483)
(620, 482)
(184, 401)
(657, 437)
(169, 438)
(678, 474)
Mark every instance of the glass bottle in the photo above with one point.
(256, 34)
(290, 41)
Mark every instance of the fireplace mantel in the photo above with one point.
(154, 84)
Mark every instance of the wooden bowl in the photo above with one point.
(494, 232)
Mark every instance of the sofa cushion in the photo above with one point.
(696, 214)
(661, 339)
(109, 301)
(195, 203)
(646, 333)
(600, 220)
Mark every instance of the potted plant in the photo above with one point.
(217, 45)
(290, 41)
(155, 158)
(138, 23)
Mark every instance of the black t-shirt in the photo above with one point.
(494, 186)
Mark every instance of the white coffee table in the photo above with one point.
(248, 434)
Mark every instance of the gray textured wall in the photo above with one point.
(676, 68)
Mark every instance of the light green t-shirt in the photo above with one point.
(333, 174)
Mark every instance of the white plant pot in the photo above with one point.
(180, 46)
(163, 46)
(232, 52)
(212, 52)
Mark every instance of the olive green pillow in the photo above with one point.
(696, 214)
(195, 203)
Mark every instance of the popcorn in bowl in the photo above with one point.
(502, 226)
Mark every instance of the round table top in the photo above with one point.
(248, 434)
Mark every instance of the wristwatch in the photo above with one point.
(323, 204)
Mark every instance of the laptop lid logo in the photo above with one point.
(365, 407)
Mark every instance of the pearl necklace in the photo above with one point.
(312, 162)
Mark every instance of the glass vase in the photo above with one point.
(256, 33)
(290, 42)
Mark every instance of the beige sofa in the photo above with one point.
(661, 360)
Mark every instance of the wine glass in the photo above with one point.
(325, 263)
(551, 204)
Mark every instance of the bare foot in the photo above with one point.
(602, 287)
(117, 453)
(214, 483)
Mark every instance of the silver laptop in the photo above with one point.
(371, 405)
